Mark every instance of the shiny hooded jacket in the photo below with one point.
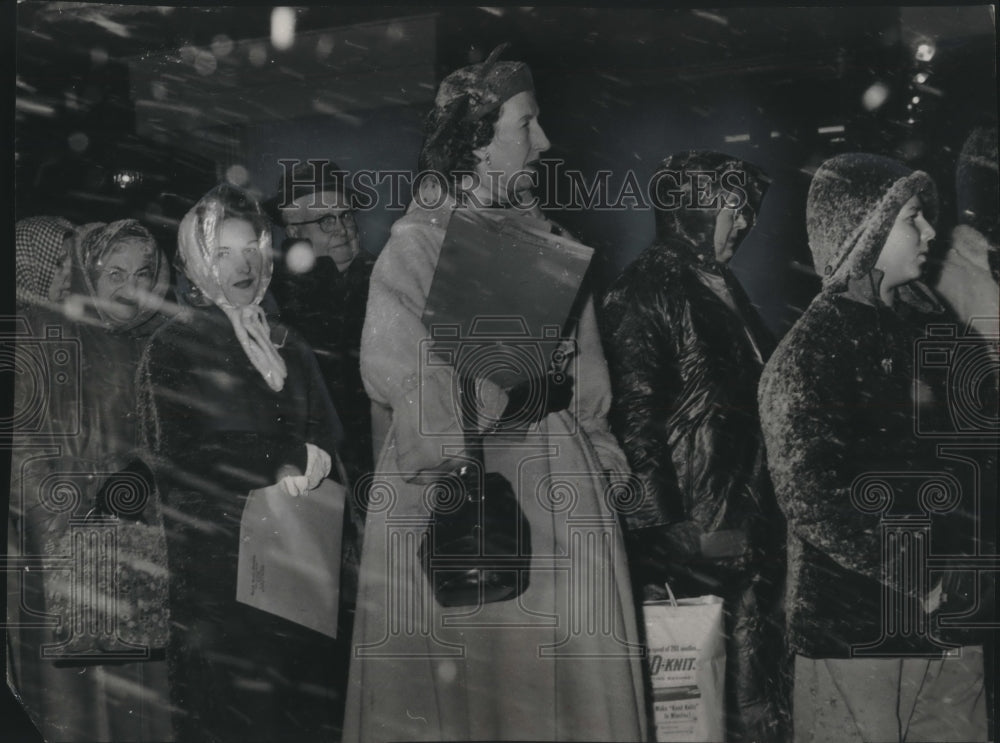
(686, 349)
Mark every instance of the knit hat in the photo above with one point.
(485, 86)
(853, 202)
(38, 245)
(977, 183)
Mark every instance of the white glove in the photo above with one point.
(294, 485)
(317, 465)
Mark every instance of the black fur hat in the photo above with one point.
(853, 202)
(977, 183)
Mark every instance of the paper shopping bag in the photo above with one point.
(289, 561)
(687, 664)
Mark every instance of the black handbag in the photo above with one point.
(477, 547)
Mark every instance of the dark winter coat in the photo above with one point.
(854, 403)
(686, 363)
(837, 403)
(219, 431)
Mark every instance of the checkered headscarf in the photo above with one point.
(38, 250)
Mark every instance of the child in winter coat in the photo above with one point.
(855, 479)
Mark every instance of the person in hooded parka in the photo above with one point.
(686, 348)
(840, 402)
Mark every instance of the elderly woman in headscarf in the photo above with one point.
(233, 402)
(42, 259)
(76, 462)
(513, 668)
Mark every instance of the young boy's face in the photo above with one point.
(905, 250)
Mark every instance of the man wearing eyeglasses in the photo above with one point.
(321, 285)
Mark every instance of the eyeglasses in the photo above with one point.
(329, 222)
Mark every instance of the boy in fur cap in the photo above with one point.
(836, 405)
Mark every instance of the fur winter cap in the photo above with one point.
(977, 183)
(853, 201)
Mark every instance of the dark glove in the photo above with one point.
(126, 492)
(533, 399)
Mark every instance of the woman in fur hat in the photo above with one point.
(513, 669)
(73, 683)
(837, 403)
(232, 402)
(686, 348)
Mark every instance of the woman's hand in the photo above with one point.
(294, 485)
(318, 465)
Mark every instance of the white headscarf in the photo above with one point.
(198, 244)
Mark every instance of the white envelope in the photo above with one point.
(289, 562)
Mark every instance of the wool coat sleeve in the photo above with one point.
(396, 367)
(592, 394)
(323, 425)
(814, 437)
(643, 358)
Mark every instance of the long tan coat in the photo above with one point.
(561, 662)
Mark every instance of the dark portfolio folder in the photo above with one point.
(501, 295)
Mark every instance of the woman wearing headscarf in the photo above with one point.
(76, 462)
(686, 348)
(42, 260)
(522, 668)
(234, 402)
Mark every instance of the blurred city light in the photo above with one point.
(282, 28)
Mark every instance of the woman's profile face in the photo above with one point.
(125, 279)
(731, 224)
(507, 162)
(239, 261)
